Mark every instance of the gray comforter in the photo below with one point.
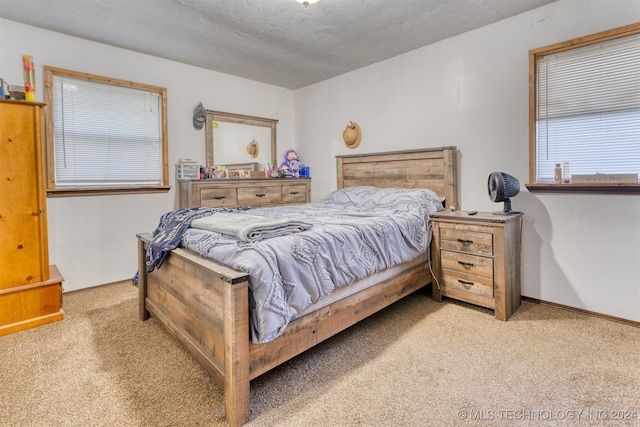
(355, 232)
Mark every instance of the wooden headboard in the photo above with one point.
(433, 168)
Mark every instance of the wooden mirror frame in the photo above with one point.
(219, 116)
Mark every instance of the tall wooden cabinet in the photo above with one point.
(30, 289)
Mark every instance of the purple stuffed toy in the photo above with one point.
(291, 164)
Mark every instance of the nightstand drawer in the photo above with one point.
(465, 263)
(218, 197)
(466, 241)
(259, 196)
(468, 283)
(294, 193)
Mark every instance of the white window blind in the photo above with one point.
(105, 135)
(588, 109)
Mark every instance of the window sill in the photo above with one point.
(543, 187)
(102, 191)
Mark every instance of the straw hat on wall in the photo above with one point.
(352, 135)
(253, 149)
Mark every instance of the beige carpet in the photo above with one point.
(417, 363)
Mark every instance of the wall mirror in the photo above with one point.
(234, 139)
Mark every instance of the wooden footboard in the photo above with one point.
(205, 305)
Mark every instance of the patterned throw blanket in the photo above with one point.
(227, 221)
(170, 231)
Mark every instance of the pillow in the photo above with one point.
(368, 196)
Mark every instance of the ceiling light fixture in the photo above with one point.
(306, 3)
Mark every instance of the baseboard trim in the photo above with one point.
(98, 286)
(583, 311)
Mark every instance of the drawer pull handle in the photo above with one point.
(294, 192)
(218, 197)
(465, 242)
(466, 264)
(260, 195)
(466, 282)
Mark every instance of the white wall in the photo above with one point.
(471, 91)
(92, 240)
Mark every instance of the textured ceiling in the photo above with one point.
(279, 42)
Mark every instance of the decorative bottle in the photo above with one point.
(557, 174)
(567, 174)
(29, 78)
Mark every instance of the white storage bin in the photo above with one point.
(187, 171)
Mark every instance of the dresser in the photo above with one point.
(254, 192)
(30, 289)
(476, 259)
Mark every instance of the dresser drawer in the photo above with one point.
(259, 195)
(294, 193)
(218, 197)
(231, 193)
(467, 283)
(474, 242)
(465, 263)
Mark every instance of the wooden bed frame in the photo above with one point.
(205, 304)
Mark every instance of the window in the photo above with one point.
(585, 112)
(104, 136)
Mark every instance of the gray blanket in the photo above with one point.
(249, 227)
(356, 231)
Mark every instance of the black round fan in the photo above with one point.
(502, 187)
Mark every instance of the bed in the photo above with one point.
(206, 304)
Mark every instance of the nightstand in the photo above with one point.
(476, 259)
